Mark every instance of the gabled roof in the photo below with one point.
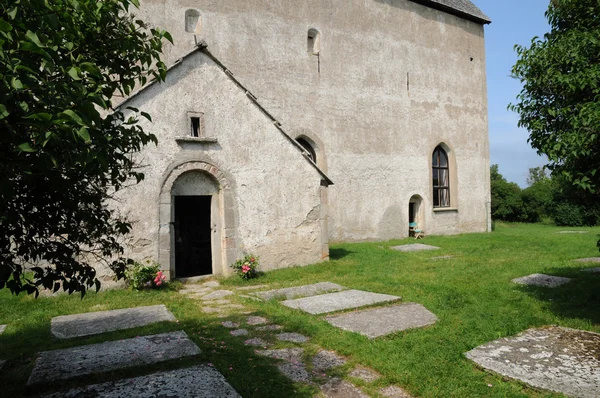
(203, 48)
(462, 8)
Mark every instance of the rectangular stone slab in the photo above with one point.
(338, 301)
(89, 323)
(197, 382)
(377, 322)
(104, 357)
(300, 291)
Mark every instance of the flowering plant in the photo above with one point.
(145, 275)
(246, 268)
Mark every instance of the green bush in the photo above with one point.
(145, 276)
(246, 268)
(568, 215)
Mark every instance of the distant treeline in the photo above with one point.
(547, 198)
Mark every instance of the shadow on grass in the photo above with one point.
(250, 374)
(338, 253)
(580, 298)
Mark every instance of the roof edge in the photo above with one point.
(454, 11)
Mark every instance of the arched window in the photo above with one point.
(313, 45)
(193, 21)
(441, 178)
(309, 148)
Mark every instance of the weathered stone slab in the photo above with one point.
(326, 360)
(377, 322)
(338, 301)
(415, 247)
(198, 382)
(256, 341)
(592, 270)
(217, 294)
(365, 374)
(337, 388)
(2, 328)
(211, 284)
(292, 337)
(441, 258)
(239, 332)
(269, 328)
(245, 288)
(556, 359)
(572, 232)
(89, 323)
(95, 358)
(286, 354)
(300, 291)
(294, 371)
(394, 392)
(589, 260)
(542, 280)
(256, 320)
(230, 324)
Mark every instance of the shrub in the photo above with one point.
(246, 268)
(147, 275)
(567, 215)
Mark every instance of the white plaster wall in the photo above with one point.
(396, 79)
(276, 191)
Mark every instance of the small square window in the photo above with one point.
(196, 124)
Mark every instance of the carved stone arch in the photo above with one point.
(225, 246)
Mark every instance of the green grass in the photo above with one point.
(471, 294)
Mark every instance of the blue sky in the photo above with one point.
(513, 22)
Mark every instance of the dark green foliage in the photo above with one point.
(61, 62)
(568, 215)
(507, 204)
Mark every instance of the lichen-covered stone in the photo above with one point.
(542, 280)
(324, 360)
(338, 301)
(292, 337)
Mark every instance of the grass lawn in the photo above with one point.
(471, 293)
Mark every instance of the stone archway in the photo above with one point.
(198, 178)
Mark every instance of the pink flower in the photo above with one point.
(158, 283)
(245, 268)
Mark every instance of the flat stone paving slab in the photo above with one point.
(197, 382)
(378, 322)
(592, 270)
(294, 371)
(589, 260)
(300, 291)
(555, 358)
(324, 360)
(415, 247)
(95, 358)
(542, 280)
(337, 388)
(89, 323)
(286, 354)
(394, 392)
(572, 232)
(217, 294)
(365, 374)
(338, 301)
(292, 337)
(2, 328)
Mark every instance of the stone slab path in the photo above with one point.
(77, 325)
(300, 291)
(589, 260)
(557, 359)
(338, 301)
(592, 270)
(572, 232)
(378, 322)
(415, 247)
(197, 382)
(94, 358)
(542, 280)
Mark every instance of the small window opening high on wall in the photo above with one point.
(196, 124)
(313, 41)
(193, 21)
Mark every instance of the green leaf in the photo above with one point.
(74, 116)
(33, 38)
(5, 26)
(74, 73)
(16, 83)
(146, 115)
(40, 116)
(26, 147)
(84, 133)
(3, 112)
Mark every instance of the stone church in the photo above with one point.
(284, 125)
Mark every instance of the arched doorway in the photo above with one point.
(415, 214)
(195, 199)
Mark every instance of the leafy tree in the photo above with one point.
(559, 103)
(561, 85)
(507, 204)
(63, 152)
(537, 174)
